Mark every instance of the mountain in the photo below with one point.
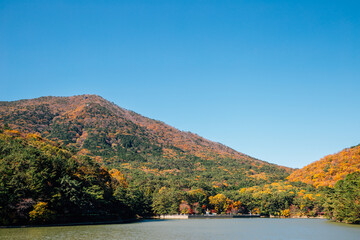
(330, 169)
(137, 145)
(77, 158)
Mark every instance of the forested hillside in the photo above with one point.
(330, 169)
(136, 145)
(41, 182)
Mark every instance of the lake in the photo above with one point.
(258, 228)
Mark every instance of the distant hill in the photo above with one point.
(137, 145)
(330, 169)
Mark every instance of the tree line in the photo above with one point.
(43, 182)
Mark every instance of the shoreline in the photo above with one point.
(120, 221)
(299, 217)
(161, 217)
(218, 216)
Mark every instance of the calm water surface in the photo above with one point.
(259, 228)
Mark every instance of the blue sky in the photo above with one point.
(278, 80)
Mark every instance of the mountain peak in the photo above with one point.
(117, 136)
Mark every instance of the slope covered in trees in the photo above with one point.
(330, 169)
(140, 147)
(42, 182)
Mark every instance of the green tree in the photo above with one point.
(166, 201)
(344, 203)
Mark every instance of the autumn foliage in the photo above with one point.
(56, 154)
(330, 169)
(122, 139)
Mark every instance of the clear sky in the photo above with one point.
(277, 80)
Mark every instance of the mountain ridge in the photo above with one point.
(135, 117)
(116, 136)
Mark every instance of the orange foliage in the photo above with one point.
(118, 178)
(89, 121)
(13, 133)
(330, 169)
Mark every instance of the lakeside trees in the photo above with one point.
(42, 182)
(281, 199)
(343, 202)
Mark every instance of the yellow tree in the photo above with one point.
(41, 213)
(220, 202)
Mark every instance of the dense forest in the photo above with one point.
(84, 158)
(42, 182)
